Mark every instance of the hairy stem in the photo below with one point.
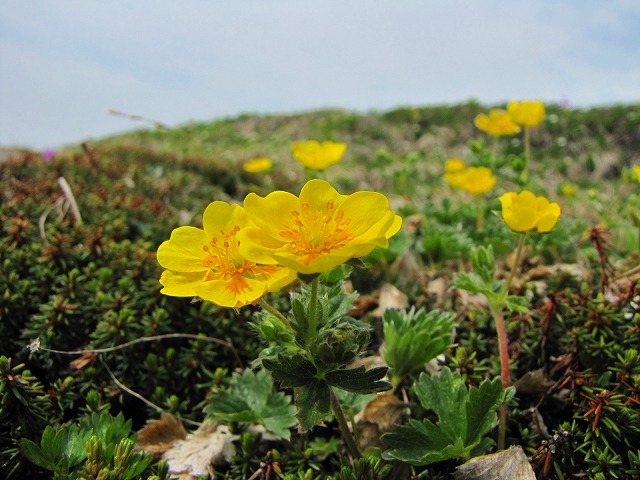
(274, 311)
(313, 309)
(344, 426)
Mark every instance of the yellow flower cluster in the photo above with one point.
(636, 168)
(318, 156)
(475, 180)
(243, 252)
(528, 113)
(257, 165)
(524, 211)
(498, 122)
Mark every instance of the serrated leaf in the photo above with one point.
(359, 380)
(75, 445)
(469, 282)
(251, 398)
(481, 407)
(446, 395)
(421, 443)
(313, 402)
(463, 418)
(52, 444)
(291, 370)
(517, 304)
(34, 454)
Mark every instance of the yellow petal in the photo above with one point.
(177, 284)
(233, 292)
(220, 215)
(183, 251)
(273, 212)
(522, 220)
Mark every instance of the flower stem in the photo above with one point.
(313, 309)
(524, 176)
(514, 268)
(344, 426)
(273, 311)
(503, 346)
(503, 339)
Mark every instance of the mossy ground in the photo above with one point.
(92, 283)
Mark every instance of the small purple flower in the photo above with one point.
(48, 154)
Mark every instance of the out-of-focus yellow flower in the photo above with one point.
(207, 263)
(453, 165)
(316, 155)
(568, 189)
(257, 165)
(636, 168)
(318, 230)
(477, 180)
(524, 211)
(528, 113)
(453, 169)
(498, 122)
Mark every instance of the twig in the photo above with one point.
(191, 336)
(122, 386)
(64, 185)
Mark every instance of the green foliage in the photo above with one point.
(367, 468)
(414, 338)
(465, 416)
(99, 447)
(250, 398)
(314, 387)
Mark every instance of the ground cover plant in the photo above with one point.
(421, 293)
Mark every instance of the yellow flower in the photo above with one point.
(636, 168)
(498, 122)
(528, 113)
(318, 156)
(257, 165)
(318, 230)
(568, 189)
(477, 180)
(453, 165)
(207, 263)
(524, 211)
(453, 169)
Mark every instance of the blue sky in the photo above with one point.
(65, 64)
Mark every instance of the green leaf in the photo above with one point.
(481, 407)
(251, 398)
(469, 282)
(291, 370)
(413, 338)
(52, 445)
(446, 395)
(313, 402)
(464, 417)
(34, 454)
(517, 304)
(359, 380)
(75, 447)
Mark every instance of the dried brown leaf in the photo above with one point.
(157, 436)
(379, 416)
(534, 382)
(390, 297)
(511, 464)
(212, 443)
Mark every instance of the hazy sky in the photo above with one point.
(65, 63)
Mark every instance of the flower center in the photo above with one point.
(225, 262)
(316, 232)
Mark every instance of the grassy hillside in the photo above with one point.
(84, 278)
